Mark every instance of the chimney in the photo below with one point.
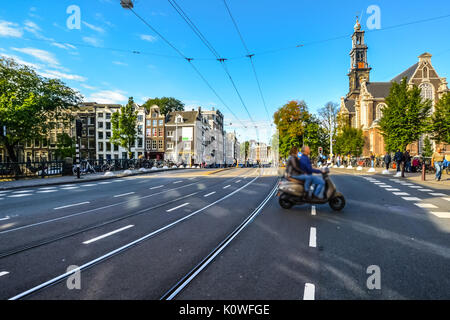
(199, 109)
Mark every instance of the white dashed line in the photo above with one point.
(448, 199)
(227, 186)
(411, 199)
(108, 234)
(180, 206)
(425, 190)
(23, 191)
(312, 238)
(313, 210)
(70, 188)
(177, 182)
(444, 215)
(104, 182)
(309, 292)
(385, 186)
(438, 194)
(19, 195)
(46, 191)
(401, 193)
(392, 189)
(415, 187)
(238, 181)
(123, 194)
(5, 218)
(89, 185)
(47, 188)
(211, 193)
(3, 273)
(72, 205)
(406, 184)
(425, 205)
(152, 188)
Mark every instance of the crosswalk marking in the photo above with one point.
(445, 215)
(425, 205)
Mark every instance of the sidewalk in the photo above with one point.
(51, 181)
(414, 177)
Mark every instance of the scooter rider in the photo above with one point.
(294, 171)
(306, 167)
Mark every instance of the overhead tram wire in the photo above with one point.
(221, 60)
(250, 56)
(189, 60)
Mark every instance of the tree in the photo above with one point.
(245, 148)
(349, 141)
(427, 148)
(291, 121)
(124, 124)
(30, 105)
(440, 120)
(165, 104)
(405, 117)
(65, 146)
(328, 116)
(315, 136)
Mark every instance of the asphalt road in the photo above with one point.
(137, 237)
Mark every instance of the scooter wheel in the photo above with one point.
(337, 203)
(284, 203)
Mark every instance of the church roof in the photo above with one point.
(350, 105)
(408, 74)
(379, 89)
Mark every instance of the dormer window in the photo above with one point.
(179, 119)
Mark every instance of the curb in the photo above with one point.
(93, 179)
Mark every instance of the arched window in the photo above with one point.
(379, 111)
(427, 91)
(425, 73)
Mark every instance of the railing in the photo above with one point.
(17, 170)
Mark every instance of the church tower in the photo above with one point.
(359, 67)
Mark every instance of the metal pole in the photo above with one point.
(78, 157)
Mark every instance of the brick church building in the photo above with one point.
(363, 105)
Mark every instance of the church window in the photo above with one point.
(425, 73)
(426, 91)
(379, 111)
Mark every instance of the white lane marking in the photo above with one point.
(444, 215)
(448, 199)
(152, 188)
(425, 205)
(425, 190)
(89, 185)
(108, 234)
(211, 193)
(313, 210)
(227, 186)
(385, 186)
(72, 205)
(19, 195)
(415, 187)
(119, 180)
(3, 273)
(313, 237)
(66, 185)
(177, 182)
(401, 193)
(309, 292)
(5, 218)
(411, 199)
(180, 206)
(238, 181)
(438, 194)
(379, 183)
(104, 182)
(123, 194)
(392, 189)
(70, 188)
(47, 191)
(406, 184)
(47, 188)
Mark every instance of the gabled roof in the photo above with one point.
(408, 74)
(189, 117)
(379, 89)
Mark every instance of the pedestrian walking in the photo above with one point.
(372, 160)
(387, 160)
(436, 161)
(407, 161)
(398, 158)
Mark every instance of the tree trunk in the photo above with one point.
(13, 156)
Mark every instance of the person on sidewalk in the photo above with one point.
(436, 161)
(306, 167)
(407, 161)
(372, 160)
(387, 160)
(398, 158)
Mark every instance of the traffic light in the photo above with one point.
(79, 127)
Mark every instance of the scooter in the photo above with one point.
(292, 192)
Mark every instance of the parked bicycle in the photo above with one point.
(85, 167)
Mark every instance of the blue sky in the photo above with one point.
(35, 32)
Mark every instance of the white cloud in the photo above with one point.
(148, 38)
(93, 41)
(92, 27)
(42, 55)
(31, 26)
(10, 29)
(61, 75)
(88, 87)
(120, 63)
(66, 46)
(108, 96)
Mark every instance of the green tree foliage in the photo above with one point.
(65, 146)
(124, 123)
(30, 105)
(349, 141)
(245, 149)
(440, 120)
(405, 118)
(427, 148)
(165, 104)
(316, 136)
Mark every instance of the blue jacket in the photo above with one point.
(305, 165)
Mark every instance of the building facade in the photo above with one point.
(155, 136)
(362, 106)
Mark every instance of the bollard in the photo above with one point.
(423, 172)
